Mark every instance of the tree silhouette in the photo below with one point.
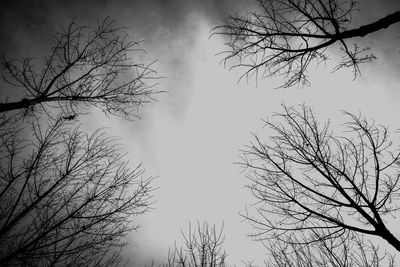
(306, 179)
(283, 37)
(347, 250)
(66, 197)
(203, 248)
(86, 67)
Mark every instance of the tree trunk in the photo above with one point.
(380, 24)
(390, 238)
(24, 103)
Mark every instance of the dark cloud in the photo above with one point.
(26, 27)
(32, 20)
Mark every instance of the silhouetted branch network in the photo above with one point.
(86, 67)
(202, 248)
(347, 250)
(283, 37)
(306, 179)
(66, 198)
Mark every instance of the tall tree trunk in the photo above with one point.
(24, 103)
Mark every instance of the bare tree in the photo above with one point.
(283, 37)
(307, 179)
(86, 67)
(203, 248)
(346, 251)
(66, 197)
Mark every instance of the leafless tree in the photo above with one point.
(66, 197)
(307, 179)
(86, 67)
(346, 251)
(283, 37)
(203, 248)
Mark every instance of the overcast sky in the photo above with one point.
(190, 138)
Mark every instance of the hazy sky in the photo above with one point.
(191, 137)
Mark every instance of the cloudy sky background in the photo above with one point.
(191, 136)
